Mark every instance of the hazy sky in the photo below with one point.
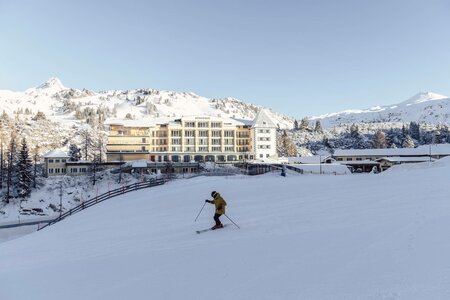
(298, 57)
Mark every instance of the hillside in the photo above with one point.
(424, 107)
(361, 237)
(70, 106)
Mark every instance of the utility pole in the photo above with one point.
(60, 198)
(320, 164)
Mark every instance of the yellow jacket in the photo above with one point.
(220, 204)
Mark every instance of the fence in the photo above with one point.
(105, 196)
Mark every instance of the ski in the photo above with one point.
(209, 229)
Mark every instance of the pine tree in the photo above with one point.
(74, 153)
(408, 142)
(10, 171)
(24, 169)
(88, 143)
(304, 125)
(296, 125)
(414, 131)
(318, 127)
(36, 151)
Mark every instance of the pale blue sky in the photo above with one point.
(298, 57)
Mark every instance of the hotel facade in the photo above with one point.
(201, 138)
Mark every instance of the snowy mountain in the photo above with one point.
(424, 107)
(70, 106)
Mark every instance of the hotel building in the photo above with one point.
(201, 138)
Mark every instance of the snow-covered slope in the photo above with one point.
(369, 236)
(66, 105)
(424, 107)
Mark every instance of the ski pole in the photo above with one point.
(232, 221)
(200, 212)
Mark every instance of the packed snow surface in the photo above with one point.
(366, 236)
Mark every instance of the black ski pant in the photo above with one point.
(216, 218)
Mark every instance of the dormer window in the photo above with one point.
(264, 123)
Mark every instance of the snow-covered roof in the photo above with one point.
(359, 162)
(150, 122)
(308, 159)
(56, 153)
(263, 120)
(406, 159)
(142, 163)
(435, 149)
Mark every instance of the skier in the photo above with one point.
(220, 204)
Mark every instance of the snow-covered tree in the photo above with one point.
(285, 145)
(74, 153)
(379, 140)
(408, 142)
(24, 170)
(11, 171)
(318, 127)
(304, 124)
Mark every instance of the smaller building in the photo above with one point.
(55, 163)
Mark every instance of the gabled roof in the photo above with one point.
(56, 153)
(263, 120)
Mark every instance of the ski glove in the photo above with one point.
(207, 201)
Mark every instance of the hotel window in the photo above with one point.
(189, 124)
(229, 133)
(56, 160)
(203, 141)
(50, 171)
(229, 149)
(203, 149)
(202, 124)
(176, 141)
(144, 140)
(203, 133)
(216, 133)
(189, 141)
(215, 124)
(215, 149)
(215, 141)
(189, 133)
(176, 133)
(50, 160)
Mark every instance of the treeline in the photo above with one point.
(361, 136)
(18, 164)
